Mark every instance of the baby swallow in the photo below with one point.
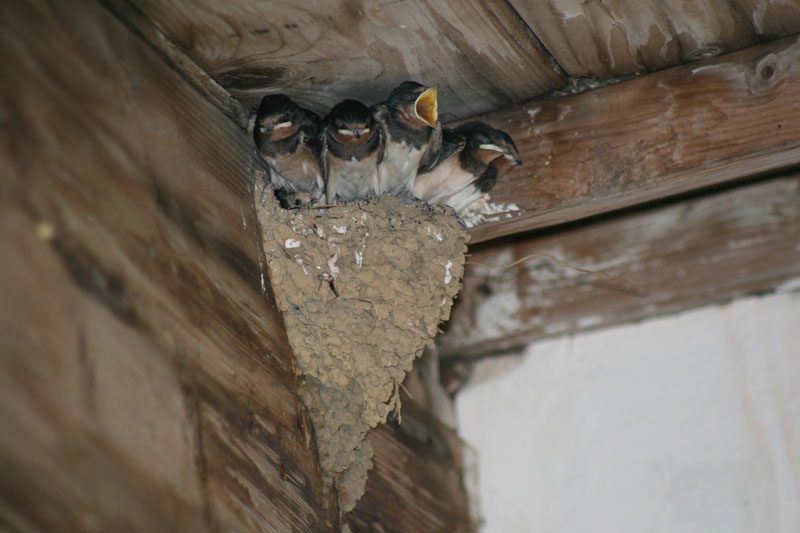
(474, 155)
(352, 148)
(409, 121)
(287, 137)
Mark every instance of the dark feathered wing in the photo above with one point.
(432, 154)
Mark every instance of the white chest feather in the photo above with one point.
(399, 167)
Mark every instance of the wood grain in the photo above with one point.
(321, 53)
(139, 24)
(145, 377)
(618, 38)
(772, 19)
(416, 483)
(629, 267)
(674, 131)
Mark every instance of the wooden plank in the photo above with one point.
(772, 19)
(677, 130)
(655, 261)
(617, 38)
(142, 26)
(146, 381)
(479, 53)
(416, 483)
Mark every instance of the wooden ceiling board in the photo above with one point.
(479, 52)
(772, 19)
(618, 37)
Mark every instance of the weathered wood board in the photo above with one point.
(408, 491)
(618, 37)
(677, 130)
(478, 52)
(659, 260)
(146, 382)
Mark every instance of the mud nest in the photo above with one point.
(362, 289)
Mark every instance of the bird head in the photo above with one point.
(350, 122)
(489, 144)
(415, 103)
(278, 117)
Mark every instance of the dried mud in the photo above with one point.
(362, 289)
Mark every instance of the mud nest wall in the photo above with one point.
(362, 289)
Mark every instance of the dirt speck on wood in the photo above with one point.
(362, 289)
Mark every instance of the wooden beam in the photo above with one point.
(629, 267)
(673, 131)
(417, 481)
(146, 381)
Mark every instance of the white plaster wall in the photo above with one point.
(689, 423)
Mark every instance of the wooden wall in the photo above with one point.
(146, 382)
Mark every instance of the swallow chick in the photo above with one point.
(409, 121)
(352, 149)
(287, 137)
(474, 155)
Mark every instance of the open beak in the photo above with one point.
(427, 106)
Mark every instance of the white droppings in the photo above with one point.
(448, 276)
(300, 262)
(333, 257)
(359, 258)
(482, 210)
(533, 112)
(437, 235)
(291, 243)
(339, 229)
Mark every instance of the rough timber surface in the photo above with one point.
(619, 37)
(363, 289)
(408, 491)
(323, 52)
(678, 130)
(146, 381)
(638, 265)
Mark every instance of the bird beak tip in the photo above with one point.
(426, 106)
